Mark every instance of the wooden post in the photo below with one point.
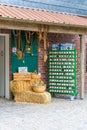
(82, 51)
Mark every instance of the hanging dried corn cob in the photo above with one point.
(45, 43)
(29, 40)
(20, 51)
(27, 45)
(45, 40)
(43, 30)
(18, 42)
(40, 36)
(16, 39)
(40, 33)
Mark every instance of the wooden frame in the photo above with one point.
(59, 28)
(26, 25)
(7, 93)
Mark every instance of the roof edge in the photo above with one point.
(43, 23)
(44, 10)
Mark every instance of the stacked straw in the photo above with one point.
(32, 97)
(22, 90)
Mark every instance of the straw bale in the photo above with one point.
(22, 76)
(35, 76)
(19, 86)
(32, 97)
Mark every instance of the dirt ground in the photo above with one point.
(60, 114)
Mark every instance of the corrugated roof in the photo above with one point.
(70, 6)
(40, 16)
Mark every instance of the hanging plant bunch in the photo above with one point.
(43, 30)
(29, 40)
(18, 44)
(45, 42)
(40, 36)
(40, 33)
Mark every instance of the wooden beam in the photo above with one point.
(68, 30)
(82, 47)
(8, 24)
(26, 25)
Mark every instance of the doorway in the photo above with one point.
(4, 66)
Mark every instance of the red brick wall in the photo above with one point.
(59, 38)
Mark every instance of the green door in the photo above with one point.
(30, 60)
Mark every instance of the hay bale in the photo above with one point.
(32, 97)
(22, 76)
(20, 86)
(35, 76)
